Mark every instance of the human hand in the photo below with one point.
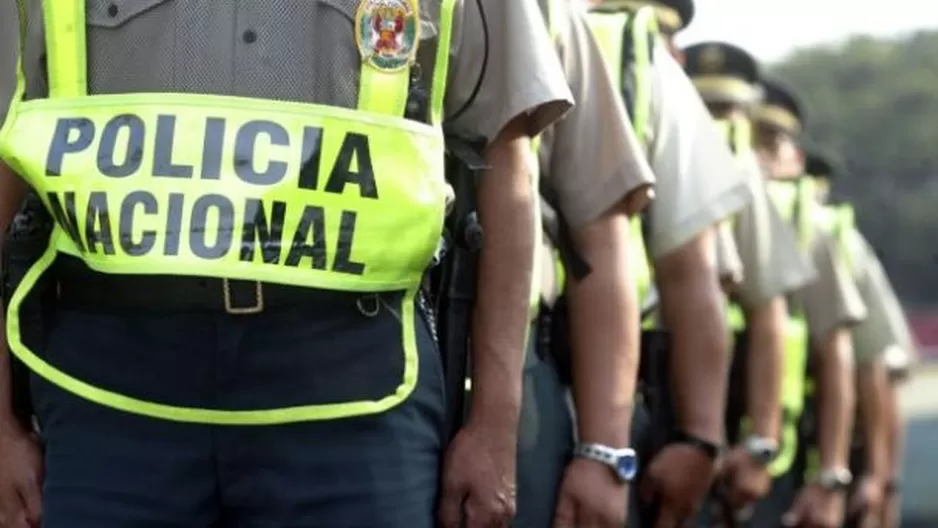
(20, 478)
(591, 496)
(479, 478)
(678, 478)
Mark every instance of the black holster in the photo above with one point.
(451, 284)
(24, 244)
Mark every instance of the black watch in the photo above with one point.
(892, 487)
(712, 450)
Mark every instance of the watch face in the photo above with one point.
(627, 467)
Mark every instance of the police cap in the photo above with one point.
(820, 163)
(781, 107)
(722, 72)
(673, 15)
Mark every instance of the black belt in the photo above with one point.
(106, 293)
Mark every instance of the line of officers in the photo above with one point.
(771, 340)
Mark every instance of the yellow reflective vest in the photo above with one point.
(235, 188)
(627, 43)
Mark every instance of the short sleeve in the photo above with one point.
(698, 182)
(33, 55)
(885, 325)
(592, 158)
(773, 263)
(833, 300)
(517, 76)
(9, 51)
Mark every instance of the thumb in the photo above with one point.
(32, 499)
(796, 514)
(565, 515)
(451, 506)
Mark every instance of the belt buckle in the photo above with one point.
(256, 308)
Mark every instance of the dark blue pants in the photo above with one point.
(545, 443)
(109, 469)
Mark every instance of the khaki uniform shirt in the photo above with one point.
(299, 50)
(885, 326)
(698, 182)
(773, 263)
(833, 300)
(591, 159)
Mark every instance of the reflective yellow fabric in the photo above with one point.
(610, 30)
(235, 188)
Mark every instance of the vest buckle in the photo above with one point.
(254, 307)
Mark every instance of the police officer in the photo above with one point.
(698, 186)
(884, 332)
(237, 341)
(767, 342)
(831, 305)
(595, 174)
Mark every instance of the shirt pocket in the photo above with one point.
(116, 13)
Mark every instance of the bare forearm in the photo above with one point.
(604, 325)
(12, 192)
(765, 366)
(872, 385)
(693, 311)
(500, 319)
(896, 436)
(836, 395)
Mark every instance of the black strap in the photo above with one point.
(562, 236)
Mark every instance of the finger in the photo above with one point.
(565, 514)
(20, 521)
(31, 495)
(451, 507)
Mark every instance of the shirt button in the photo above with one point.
(112, 10)
(249, 36)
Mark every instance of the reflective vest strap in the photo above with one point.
(805, 213)
(441, 66)
(66, 48)
(644, 26)
(843, 226)
(736, 319)
(609, 29)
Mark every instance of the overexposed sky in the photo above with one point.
(769, 30)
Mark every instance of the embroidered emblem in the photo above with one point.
(387, 32)
(712, 59)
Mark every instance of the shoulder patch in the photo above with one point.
(387, 33)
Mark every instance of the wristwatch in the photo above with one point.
(835, 479)
(763, 450)
(712, 450)
(623, 462)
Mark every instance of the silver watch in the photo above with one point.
(835, 479)
(623, 462)
(762, 449)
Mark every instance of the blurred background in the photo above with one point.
(868, 72)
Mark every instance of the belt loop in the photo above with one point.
(255, 308)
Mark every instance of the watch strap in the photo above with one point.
(712, 450)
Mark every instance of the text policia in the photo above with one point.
(213, 223)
